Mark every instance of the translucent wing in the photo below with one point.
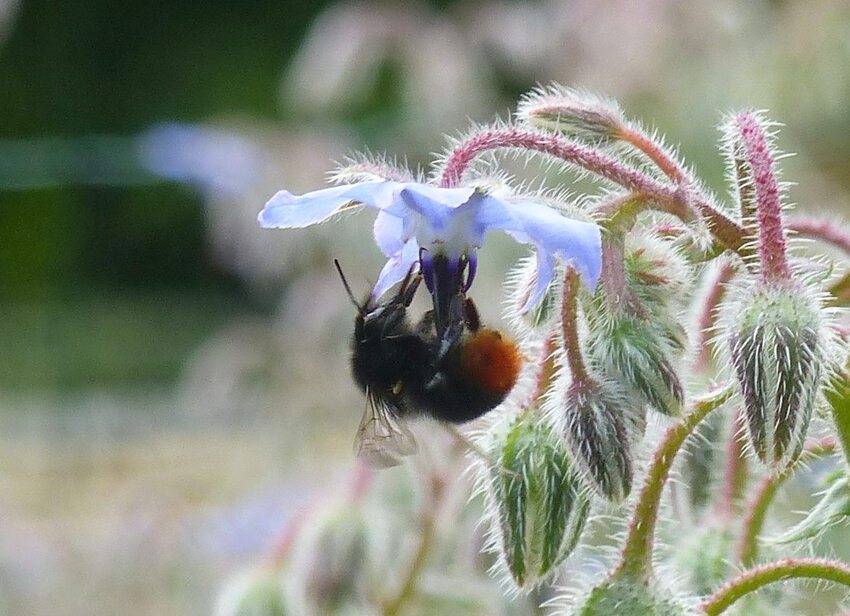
(383, 438)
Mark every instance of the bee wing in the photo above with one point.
(383, 438)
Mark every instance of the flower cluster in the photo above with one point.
(638, 297)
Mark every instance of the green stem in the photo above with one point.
(636, 559)
(747, 547)
(754, 579)
(838, 396)
(569, 325)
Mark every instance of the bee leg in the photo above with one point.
(471, 316)
(408, 288)
(425, 327)
(456, 324)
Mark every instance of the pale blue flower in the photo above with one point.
(425, 223)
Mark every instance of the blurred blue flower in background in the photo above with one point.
(213, 159)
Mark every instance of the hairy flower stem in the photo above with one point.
(636, 559)
(822, 230)
(734, 471)
(791, 568)
(771, 231)
(746, 550)
(437, 487)
(662, 197)
(708, 313)
(569, 325)
(668, 165)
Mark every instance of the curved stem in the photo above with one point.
(664, 198)
(754, 579)
(746, 549)
(663, 160)
(569, 326)
(708, 312)
(636, 558)
(734, 471)
(821, 230)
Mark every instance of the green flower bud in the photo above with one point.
(660, 278)
(538, 506)
(258, 592)
(630, 351)
(624, 596)
(776, 344)
(703, 559)
(596, 430)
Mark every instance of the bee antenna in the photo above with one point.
(347, 287)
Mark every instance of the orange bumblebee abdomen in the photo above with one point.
(492, 361)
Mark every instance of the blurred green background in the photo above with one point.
(173, 380)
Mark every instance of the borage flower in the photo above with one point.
(442, 229)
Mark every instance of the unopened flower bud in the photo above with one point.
(631, 351)
(258, 592)
(538, 504)
(334, 559)
(776, 343)
(660, 278)
(574, 113)
(627, 596)
(703, 558)
(596, 418)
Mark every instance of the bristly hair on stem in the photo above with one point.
(754, 158)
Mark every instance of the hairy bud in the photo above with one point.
(596, 418)
(333, 561)
(624, 596)
(703, 558)
(632, 352)
(574, 113)
(776, 343)
(539, 506)
(660, 278)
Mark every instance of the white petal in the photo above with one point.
(389, 233)
(576, 242)
(396, 268)
(288, 211)
(542, 279)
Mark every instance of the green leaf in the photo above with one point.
(833, 508)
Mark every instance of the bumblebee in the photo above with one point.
(408, 370)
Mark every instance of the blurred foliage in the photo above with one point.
(73, 69)
(104, 284)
